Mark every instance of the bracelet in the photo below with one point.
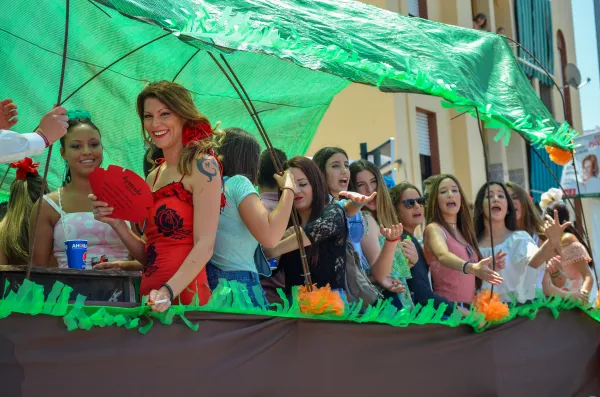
(356, 205)
(290, 189)
(464, 267)
(168, 287)
(394, 240)
(584, 292)
(44, 138)
(555, 274)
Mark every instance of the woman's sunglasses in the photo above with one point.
(410, 203)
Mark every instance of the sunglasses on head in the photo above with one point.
(410, 203)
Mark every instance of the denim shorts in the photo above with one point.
(244, 278)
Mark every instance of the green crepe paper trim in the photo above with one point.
(237, 31)
(232, 297)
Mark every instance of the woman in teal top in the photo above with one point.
(365, 179)
(244, 222)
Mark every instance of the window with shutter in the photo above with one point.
(413, 8)
(423, 133)
(428, 150)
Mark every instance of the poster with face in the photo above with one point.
(587, 156)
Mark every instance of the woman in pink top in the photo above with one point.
(450, 244)
(66, 214)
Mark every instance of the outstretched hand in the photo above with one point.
(392, 233)
(357, 198)
(554, 231)
(483, 270)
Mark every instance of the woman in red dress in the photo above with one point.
(187, 191)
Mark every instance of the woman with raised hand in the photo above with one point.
(324, 229)
(245, 222)
(451, 246)
(187, 189)
(380, 215)
(574, 259)
(410, 207)
(496, 222)
(376, 260)
(66, 213)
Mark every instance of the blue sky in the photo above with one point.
(587, 61)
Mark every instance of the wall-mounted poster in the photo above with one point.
(587, 155)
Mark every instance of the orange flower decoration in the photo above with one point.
(320, 301)
(25, 167)
(493, 309)
(559, 156)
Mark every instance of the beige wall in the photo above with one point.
(364, 114)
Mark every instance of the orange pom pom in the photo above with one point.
(493, 309)
(598, 302)
(559, 156)
(320, 301)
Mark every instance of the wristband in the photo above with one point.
(584, 292)
(356, 205)
(394, 240)
(556, 274)
(168, 287)
(464, 267)
(44, 138)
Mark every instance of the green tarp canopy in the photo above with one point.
(292, 56)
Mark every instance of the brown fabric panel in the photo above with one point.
(233, 355)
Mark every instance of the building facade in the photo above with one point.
(430, 139)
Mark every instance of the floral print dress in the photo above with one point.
(170, 238)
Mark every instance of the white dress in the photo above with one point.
(520, 280)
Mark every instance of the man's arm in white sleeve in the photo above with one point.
(15, 146)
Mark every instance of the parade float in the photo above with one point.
(267, 67)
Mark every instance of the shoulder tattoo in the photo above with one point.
(208, 166)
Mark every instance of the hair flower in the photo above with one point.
(197, 132)
(25, 167)
(550, 196)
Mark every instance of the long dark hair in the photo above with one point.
(240, 152)
(76, 117)
(510, 220)
(320, 158)
(563, 216)
(530, 217)
(266, 168)
(317, 182)
(464, 220)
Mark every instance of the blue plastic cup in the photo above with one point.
(76, 253)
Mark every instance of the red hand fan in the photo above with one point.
(124, 190)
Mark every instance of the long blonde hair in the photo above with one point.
(386, 214)
(14, 228)
(179, 100)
